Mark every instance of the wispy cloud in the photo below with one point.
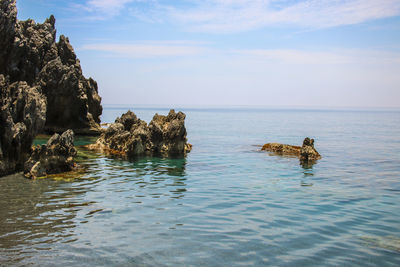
(324, 57)
(103, 9)
(189, 48)
(293, 56)
(149, 49)
(243, 15)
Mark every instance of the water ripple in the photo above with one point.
(225, 204)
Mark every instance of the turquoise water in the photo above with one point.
(226, 203)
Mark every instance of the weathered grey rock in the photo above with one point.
(29, 52)
(54, 157)
(71, 98)
(130, 136)
(306, 153)
(168, 133)
(22, 116)
(8, 19)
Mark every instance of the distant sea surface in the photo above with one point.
(226, 203)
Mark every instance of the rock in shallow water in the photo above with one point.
(130, 136)
(55, 157)
(306, 153)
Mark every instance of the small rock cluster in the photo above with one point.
(54, 157)
(306, 152)
(130, 136)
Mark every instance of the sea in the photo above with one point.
(227, 203)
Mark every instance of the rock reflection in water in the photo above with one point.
(307, 172)
(152, 173)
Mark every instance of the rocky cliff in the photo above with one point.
(29, 52)
(130, 136)
(42, 87)
(22, 116)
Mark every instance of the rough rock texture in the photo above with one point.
(130, 136)
(8, 19)
(168, 133)
(22, 116)
(306, 153)
(29, 52)
(282, 149)
(54, 157)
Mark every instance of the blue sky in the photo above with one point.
(274, 53)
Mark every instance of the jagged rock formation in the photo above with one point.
(130, 136)
(306, 153)
(54, 157)
(22, 116)
(29, 52)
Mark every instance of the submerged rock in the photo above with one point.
(306, 153)
(29, 52)
(54, 157)
(22, 116)
(130, 136)
(386, 242)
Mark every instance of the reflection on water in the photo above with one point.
(225, 204)
(36, 214)
(308, 172)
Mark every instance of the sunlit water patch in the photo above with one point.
(224, 204)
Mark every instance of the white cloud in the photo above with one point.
(105, 8)
(148, 49)
(325, 57)
(291, 56)
(242, 15)
(189, 48)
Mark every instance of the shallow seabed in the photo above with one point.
(226, 203)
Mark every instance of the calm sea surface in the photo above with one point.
(226, 203)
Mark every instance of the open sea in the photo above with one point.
(226, 203)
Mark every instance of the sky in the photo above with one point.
(272, 53)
